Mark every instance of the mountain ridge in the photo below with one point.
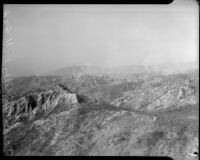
(127, 69)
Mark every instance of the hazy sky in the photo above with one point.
(49, 37)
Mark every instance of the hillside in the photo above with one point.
(152, 115)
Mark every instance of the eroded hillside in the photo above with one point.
(92, 115)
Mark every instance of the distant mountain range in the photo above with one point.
(128, 69)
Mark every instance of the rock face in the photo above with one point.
(157, 117)
(34, 105)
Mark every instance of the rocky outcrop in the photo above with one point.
(36, 105)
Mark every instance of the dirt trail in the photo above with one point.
(186, 111)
